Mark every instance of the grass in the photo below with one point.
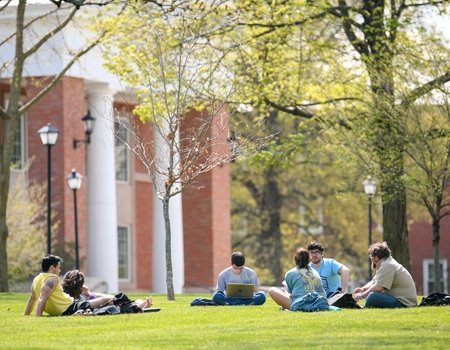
(180, 326)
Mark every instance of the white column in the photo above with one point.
(102, 252)
(159, 234)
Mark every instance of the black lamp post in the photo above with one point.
(88, 123)
(74, 181)
(370, 188)
(49, 136)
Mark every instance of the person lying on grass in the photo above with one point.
(47, 291)
(304, 290)
(73, 284)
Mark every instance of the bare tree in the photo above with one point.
(183, 88)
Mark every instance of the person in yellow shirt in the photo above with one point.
(46, 290)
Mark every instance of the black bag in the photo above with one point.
(126, 306)
(343, 300)
(435, 299)
(78, 305)
(203, 302)
(107, 310)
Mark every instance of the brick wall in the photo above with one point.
(206, 216)
(421, 247)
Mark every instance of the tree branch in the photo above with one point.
(426, 88)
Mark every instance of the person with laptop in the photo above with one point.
(335, 276)
(238, 284)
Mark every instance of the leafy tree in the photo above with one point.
(428, 150)
(26, 208)
(298, 56)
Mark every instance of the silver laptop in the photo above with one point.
(240, 290)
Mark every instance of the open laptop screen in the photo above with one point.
(240, 290)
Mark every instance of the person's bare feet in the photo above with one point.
(144, 304)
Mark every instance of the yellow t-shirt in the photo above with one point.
(58, 302)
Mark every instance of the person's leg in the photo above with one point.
(102, 301)
(280, 297)
(144, 303)
(220, 298)
(382, 300)
(259, 298)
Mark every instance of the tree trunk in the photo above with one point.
(271, 231)
(3, 257)
(169, 268)
(395, 231)
(437, 264)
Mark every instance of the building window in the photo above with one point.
(18, 155)
(122, 152)
(428, 276)
(124, 251)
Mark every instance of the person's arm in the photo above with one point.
(364, 288)
(364, 291)
(46, 291)
(30, 303)
(221, 283)
(85, 291)
(344, 272)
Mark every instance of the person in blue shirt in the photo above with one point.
(335, 276)
(303, 288)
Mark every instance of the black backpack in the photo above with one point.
(343, 300)
(435, 299)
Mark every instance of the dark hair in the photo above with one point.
(380, 249)
(50, 260)
(72, 283)
(314, 245)
(238, 259)
(301, 258)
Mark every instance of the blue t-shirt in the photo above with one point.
(300, 282)
(329, 273)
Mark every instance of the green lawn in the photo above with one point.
(180, 326)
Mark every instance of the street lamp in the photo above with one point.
(74, 181)
(88, 124)
(49, 136)
(370, 188)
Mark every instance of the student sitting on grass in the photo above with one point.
(392, 285)
(304, 290)
(47, 291)
(238, 273)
